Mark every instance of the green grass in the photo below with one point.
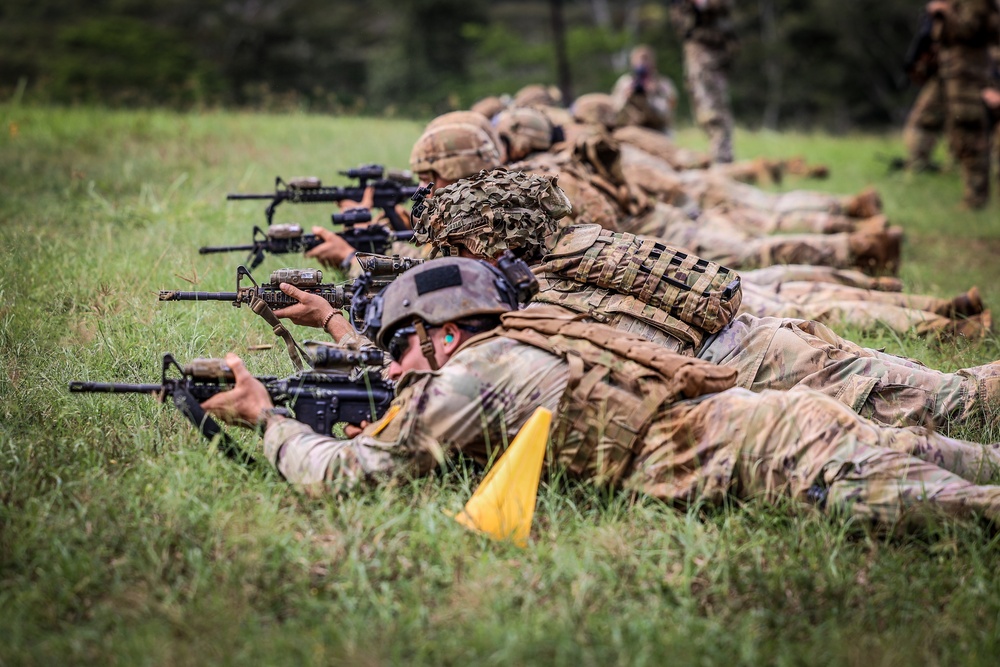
(125, 539)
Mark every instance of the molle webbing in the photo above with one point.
(618, 384)
(695, 291)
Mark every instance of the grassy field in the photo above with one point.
(126, 540)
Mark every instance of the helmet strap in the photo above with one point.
(426, 345)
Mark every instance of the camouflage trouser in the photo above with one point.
(705, 75)
(925, 124)
(771, 353)
(805, 445)
(963, 77)
(779, 274)
(860, 308)
(717, 239)
(710, 190)
(791, 222)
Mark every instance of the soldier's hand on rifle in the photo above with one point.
(245, 403)
(367, 200)
(938, 7)
(333, 251)
(352, 431)
(313, 310)
(991, 96)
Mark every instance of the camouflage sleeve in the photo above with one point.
(622, 91)
(384, 449)
(968, 20)
(469, 405)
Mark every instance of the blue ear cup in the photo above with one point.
(448, 338)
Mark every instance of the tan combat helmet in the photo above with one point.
(537, 94)
(454, 151)
(491, 212)
(469, 118)
(448, 289)
(596, 108)
(524, 130)
(490, 106)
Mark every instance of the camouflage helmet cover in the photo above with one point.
(494, 211)
(444, 290)
(454, 151)
(467, 118)
(598, 108)
(537, 94)
(489, 106)
(526, 130)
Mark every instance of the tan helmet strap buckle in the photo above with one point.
(426, 345)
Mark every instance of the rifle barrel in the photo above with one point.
(170, 295)
(237, 196)
(113, 388)
(206, 250)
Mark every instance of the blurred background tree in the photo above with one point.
(802, 63)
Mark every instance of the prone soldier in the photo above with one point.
(688, 304)
(471, 367)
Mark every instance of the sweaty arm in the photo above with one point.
(482, 394)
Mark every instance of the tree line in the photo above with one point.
(802, 63)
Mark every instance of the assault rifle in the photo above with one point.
(379, 271)
(920, 62)
(263, 299)
(344, 386)
(394, 189)
(307, 280)
(284, 239)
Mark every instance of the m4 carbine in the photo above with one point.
(379, 271)
(396, 188)
(307, 280)
(284, 239)
(344, 386)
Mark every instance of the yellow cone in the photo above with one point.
(504, 504)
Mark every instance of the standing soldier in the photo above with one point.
(709, 43)
(968, 28)
(926, 120)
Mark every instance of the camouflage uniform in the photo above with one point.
(767, 353)
(717, 237)
(774, 276)
(746, 206)
(861, 309)
(709, 42)
(925, 124)
(593, 178)
(651, 108)
(797, 444)
(968, 29)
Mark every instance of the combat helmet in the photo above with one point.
(450, 289)
(490, 106)
(454, 151)
(491, 212)
(597, 108)
(537, 94)
(524, 130)
(469, 118)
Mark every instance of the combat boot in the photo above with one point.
(887, 284)
(968, 304)
(865, 204)
(797, 166)
(876, 252)
(876, 223)
(973, 328)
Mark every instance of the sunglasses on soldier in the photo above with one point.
(399, 343)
